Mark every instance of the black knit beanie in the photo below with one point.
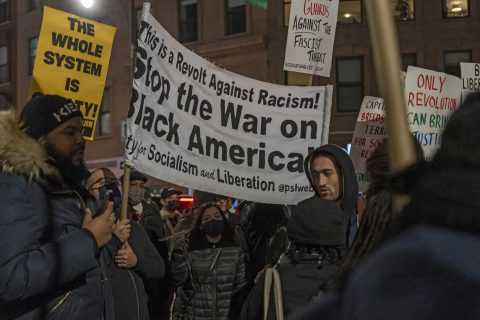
(44, 113)
(318, 222)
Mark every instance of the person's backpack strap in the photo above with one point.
(278, 294)
(266, 291)
(272, 277)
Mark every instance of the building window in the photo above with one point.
(33, 43)
(236, 16)
(33, 5)
(456, 8)
(104, 118)
(287, 4)
(408, 59)
(349, 83)
(188, 21)
(350, 12)
(403, 10)
(453, 59)
(3, 10)
(3, 64)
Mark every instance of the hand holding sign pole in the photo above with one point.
(387, 63)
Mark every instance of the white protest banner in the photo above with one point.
(431, 98)
(370, 130)
(311, 33)
(470, 78)
(199, 126)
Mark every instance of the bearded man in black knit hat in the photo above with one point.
(49, 243)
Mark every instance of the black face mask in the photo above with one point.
(213, 228)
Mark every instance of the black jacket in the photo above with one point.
(201, 293)
(48, 263)
(129, 295)
(300, 282)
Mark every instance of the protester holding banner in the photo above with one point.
(132, 260)
(331, 174)
(207, 268)
(48, 242)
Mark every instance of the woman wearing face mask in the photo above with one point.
(207, 268)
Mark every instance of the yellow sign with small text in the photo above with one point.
(72, 60)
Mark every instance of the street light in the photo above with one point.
(87, 3)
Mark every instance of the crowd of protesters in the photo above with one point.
(65, 253)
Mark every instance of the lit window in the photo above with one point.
(188, 21)
(349, 83)
(3, 10)
(403, 10)
(453, 59)
(33, 43)
(350, 12)
(408, 59)
(236, 16)
(104, 123)
(4, 64)
(287, 4)
(455, 8)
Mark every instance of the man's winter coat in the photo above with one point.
(48, 263)
(207, 276)
(349, 184)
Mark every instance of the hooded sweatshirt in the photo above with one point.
(348, 198)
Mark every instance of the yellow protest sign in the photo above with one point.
(72, 61)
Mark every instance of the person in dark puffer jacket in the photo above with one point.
(207, 268)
